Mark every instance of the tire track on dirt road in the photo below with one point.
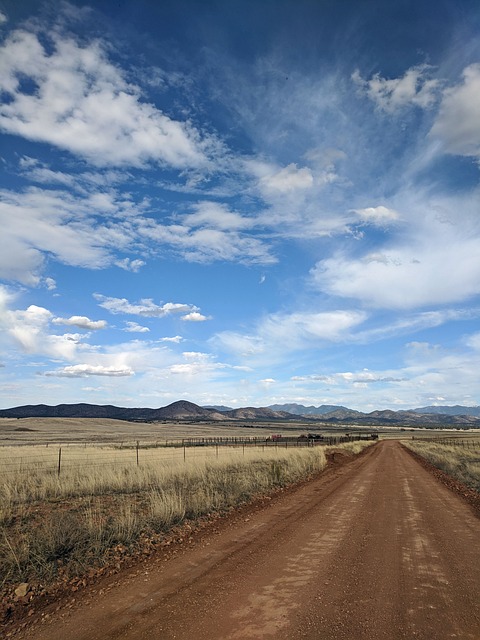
(375, 549)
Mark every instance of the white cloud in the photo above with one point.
(29, 330)
(50, 284)
(130, 265)
(39, 222)
(82, 322)
(175, 339)
(217, 216)
(295, 199)
(433, 259)
(195, 316)
(206, 245)
(473, 341)
(290, 178)
(3, 18)
(377, 215)
(133, 327)
(390, 95)
(145, 307)
(279, 334)
(90, 229)
(84, 104)
(364, 377)
(405, 277)
(458, 122)
(86, 370)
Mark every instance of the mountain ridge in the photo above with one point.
(184, 410)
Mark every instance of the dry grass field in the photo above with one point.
(103, 430)
(63, 524)
(459, 456)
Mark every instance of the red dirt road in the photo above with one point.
(374, 549)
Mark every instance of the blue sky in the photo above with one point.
(240, 203)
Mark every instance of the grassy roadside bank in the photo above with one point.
(54, 528)
(460, 463)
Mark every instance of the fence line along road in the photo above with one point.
(87, 456)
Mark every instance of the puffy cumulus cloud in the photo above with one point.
(82, 322)
(29, 331)
(133, 327)
(145, 307)
(457, 124)
(413, 88)
(79, 101)
(27, 327)
(380, 215)
(174, 339)
(87, 370)
(195, 316)
(3, 18)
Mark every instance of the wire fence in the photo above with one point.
(471, 444)
(90, 456)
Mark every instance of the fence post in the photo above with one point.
(59, 460)
(137, 452)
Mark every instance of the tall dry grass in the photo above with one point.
(462, 463)
(66, 523)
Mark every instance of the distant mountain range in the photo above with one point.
(456, 410)
(188, 411)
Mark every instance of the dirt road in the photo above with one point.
(376, 548)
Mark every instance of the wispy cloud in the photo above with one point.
(86, 370)
(277, 335)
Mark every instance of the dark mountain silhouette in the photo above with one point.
(188, 411)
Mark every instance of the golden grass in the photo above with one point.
(460, 460)
(67, 523)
